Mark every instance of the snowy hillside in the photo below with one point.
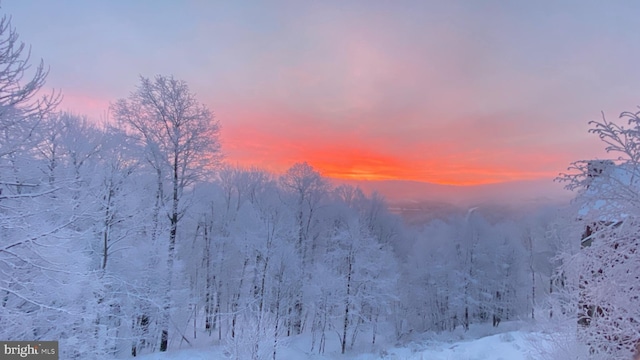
(474, 345)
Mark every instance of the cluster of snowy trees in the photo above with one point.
(275, 257)
(133, 236)
(474, 269)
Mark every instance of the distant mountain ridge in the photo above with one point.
(512, 193)
(421, 202)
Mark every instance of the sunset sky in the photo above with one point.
(451, 92)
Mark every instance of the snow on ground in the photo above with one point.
(510, 345)
(506, 346)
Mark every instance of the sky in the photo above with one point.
(447, 92)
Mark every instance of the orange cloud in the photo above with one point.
(276, 139)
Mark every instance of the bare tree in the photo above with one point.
(181, 138)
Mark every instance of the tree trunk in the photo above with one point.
(208, 297)
(164, 342)
(236, 300)
(107, 227)
(347, 304)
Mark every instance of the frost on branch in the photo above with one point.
(21, 111)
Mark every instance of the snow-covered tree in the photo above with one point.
(22, 105)
(181, 139)
(604, 274)
(306, 189)
(44, 265)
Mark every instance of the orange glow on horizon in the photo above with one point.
(462, 178)
(275, 140)
(368, 173)
(278, 145)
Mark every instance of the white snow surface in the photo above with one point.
(509, 345)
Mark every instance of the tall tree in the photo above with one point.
(181, 138)
(307, 189)
(29, 253)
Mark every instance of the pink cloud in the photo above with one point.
(88, 104)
